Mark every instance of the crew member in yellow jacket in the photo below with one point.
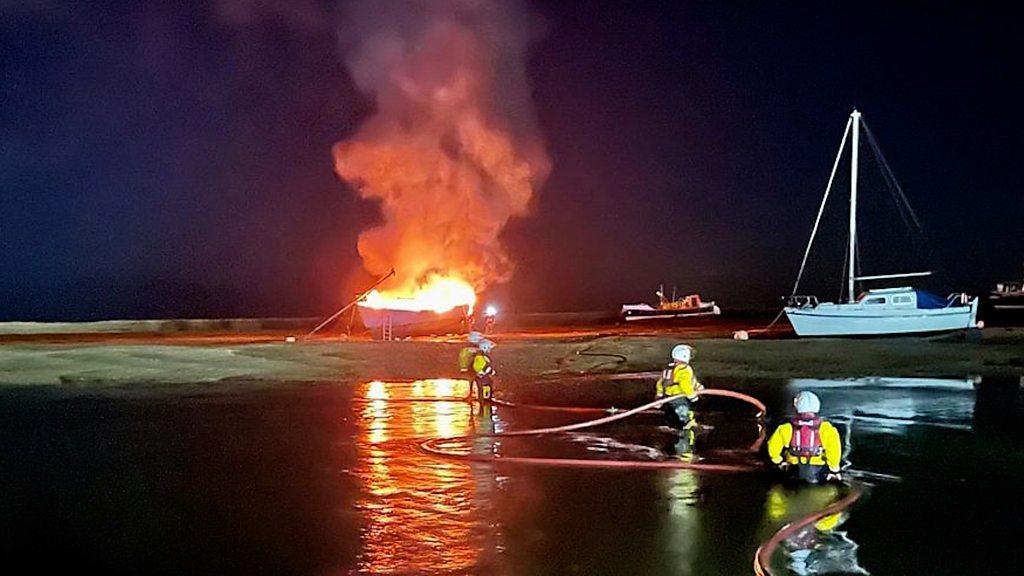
(808, 442)
(678, 380)
(469, 351)
(483, 372)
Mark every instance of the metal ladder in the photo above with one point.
(387, 330)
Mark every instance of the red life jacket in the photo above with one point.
(806, 440)
(668, 374)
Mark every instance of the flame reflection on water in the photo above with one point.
(419, 514)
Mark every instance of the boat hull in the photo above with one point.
(655, 314)
(413, 323)
(1007, 302)
(853, 320)
(1004, 309)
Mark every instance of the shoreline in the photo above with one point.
(529, 365)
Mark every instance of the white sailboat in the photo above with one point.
(879, 311)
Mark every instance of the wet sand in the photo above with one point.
(531, 364)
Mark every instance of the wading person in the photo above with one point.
(679, 381)
(469, 351)
(483, 372)
(807, 443)
(684, 443)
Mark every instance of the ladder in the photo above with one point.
(387, 329)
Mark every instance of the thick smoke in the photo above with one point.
(452, 152)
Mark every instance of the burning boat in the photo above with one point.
(450, 154)
(690, 306)
(441, 305)
(389, 323)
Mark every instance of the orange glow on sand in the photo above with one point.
(438, 294)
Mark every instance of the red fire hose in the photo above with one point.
(615, 411)
(764, 553)
(430, 447)
(633, 411)
(585, 463)
(763, 556)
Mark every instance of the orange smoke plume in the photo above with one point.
(452, 152)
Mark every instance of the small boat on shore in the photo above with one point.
(690, 306)
(1008, 296)
(879, 311)
(1005, 305)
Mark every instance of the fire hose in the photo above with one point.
(627, 413)
(763, 556)
(430, 446)
(761, 410)
(764, 553)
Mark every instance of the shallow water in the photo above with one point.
(329, 480)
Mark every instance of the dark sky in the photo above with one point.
(173, 158)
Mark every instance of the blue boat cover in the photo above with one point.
(927, 300)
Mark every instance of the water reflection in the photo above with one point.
(999, 408)
(932, 447)
(419, 514)
(683, 522)
(894, 403)
(820, 548)
(320, 480)
(422, 514)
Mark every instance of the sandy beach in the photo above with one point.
(541, 365)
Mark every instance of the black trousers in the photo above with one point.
(484, 387)
(678, 412)
(811, 473)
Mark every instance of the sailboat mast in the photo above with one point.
(855, 120)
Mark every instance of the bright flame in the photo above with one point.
(439, 294)
(451, 152)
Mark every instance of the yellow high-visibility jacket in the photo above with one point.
(831, 445)
(830, 522)
(782, 504)
(466, 358)
(482, 365)
(682, 381)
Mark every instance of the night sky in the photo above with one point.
(173, 159)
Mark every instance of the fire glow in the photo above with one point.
(451, 152)
(439, 294)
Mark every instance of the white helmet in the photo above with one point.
(807, 403)
(682, 353)
(474, 337)
(486, 346)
